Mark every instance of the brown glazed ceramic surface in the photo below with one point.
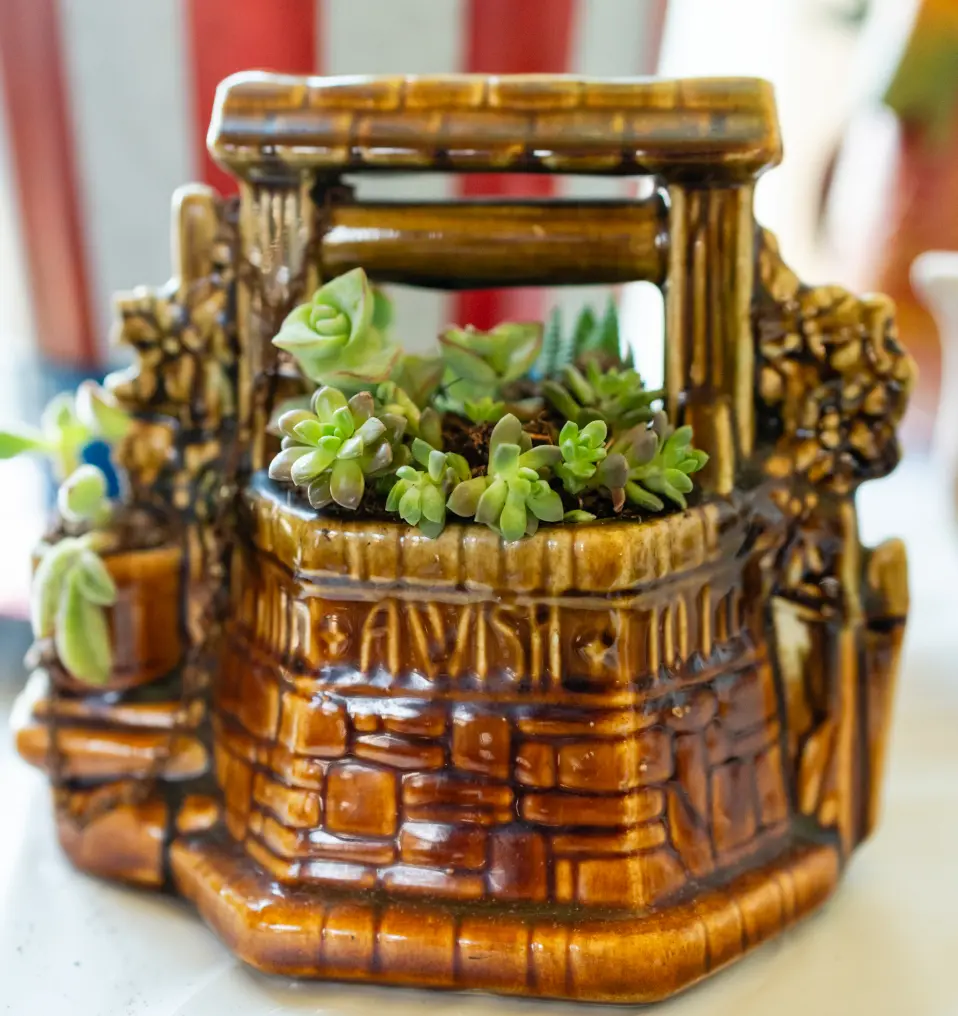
(599, 763)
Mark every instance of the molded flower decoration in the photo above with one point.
(333, 337)
(513, 497)
(334, 449)
(660, 460)
(419, 495)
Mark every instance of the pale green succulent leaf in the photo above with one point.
(327, 401)
(48, 583)
(433, 504)
(309, 431)
(465, 497)
(577, 515)
(512, 518)
(82, 636)
(94, 580)
(318, 492)
(281, 466)
(541, 457)
(643, 498)
(491, 502)
(346, 483)
(82, 496)
(507, 431)
(504, 460)
(545, 503)
(396, 492)
(410, 506)
(98, 410)
(14, 443)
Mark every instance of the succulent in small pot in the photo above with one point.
(335, 448)
(660, 461)
(513, 497)
(615, 395)
(72, 586)
(334, 339)
(419, 495)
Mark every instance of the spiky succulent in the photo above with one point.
(334, 449)
(586, 464)
(512, 498)
(591, 337)
(419, 495)
(334, 339)
(660, 461)
(616, 395)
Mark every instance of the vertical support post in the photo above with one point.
(710, 360)
(278, 236)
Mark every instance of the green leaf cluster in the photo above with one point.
(70, 593)
(333, 449)
(334, 337)
(481, 365)
(69, 422)
(514, 496)
(660, 461)
(420, 495)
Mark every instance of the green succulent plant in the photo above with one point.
(512, 498)
(68, 424)
(419, 377)
(660, 461)
(419, 495)
(616, 396)
(480, 366)
(586, 464)
(334, 339)
(591, 337)
(333, 449)
(72, 587)
(425, 423)
(81, 498)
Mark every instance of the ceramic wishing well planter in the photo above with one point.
(498, 671)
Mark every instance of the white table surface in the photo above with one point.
(886, 944)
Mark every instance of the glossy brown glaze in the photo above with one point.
(600, 763)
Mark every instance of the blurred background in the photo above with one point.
(104, 106)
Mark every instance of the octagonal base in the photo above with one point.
(516, 950)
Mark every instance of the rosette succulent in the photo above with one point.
(419, 495)
(334, 449)
(512, 498)
(479, 365)
(586, 464)
(334, 339)
(660, 461)
(616, 396)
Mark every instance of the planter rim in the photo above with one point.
(607, 556)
